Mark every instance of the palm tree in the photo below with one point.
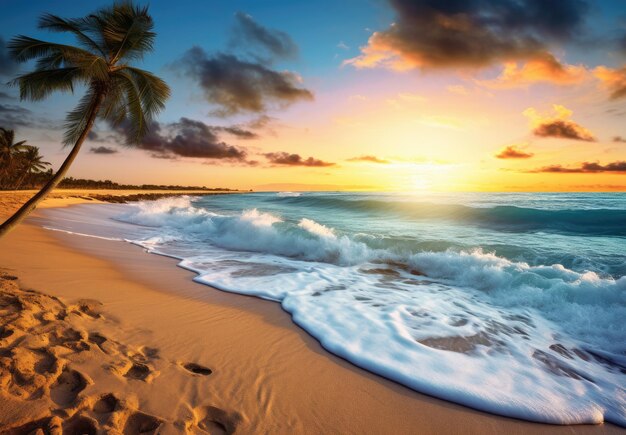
(108, 40)
(8, 150)
(30, 162)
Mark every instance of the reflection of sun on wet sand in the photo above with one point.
(65, 368)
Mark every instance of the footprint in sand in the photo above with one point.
(47, 362)
(90, 307)
(138, 371)
(197, 369)
(217, 421)
(80, 424)
(67, 387)
(104, 344)
(106, 404)
(6, 332)
(140, 423)
(47, 425)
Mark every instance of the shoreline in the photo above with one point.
(265, 368)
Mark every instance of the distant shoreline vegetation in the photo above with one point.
(38, 180)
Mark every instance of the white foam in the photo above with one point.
(318, 229)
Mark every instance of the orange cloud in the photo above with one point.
(544, 68)
(379, 52)
(369, 159)
(612, 79)
(513, 152)
(557, 125)
(585, 168)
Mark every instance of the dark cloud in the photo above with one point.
(238, 132)
(7, 65)
(250, 34)
(12, 116)
(5, 96)
(585, 168)
(472, 33)
(513, 152)
(185, 138)
(370, 159)
(564, 129)
(238, 85)
(102, 150)
(287, 159)
(260, 122)
(95, 136)
(619, 139)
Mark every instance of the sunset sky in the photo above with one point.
(421, 95)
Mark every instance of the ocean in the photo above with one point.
(510, 303)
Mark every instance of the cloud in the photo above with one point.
(369, 159)
(240, 86)
(544, 68)
(260, 122)
(429, 34)
(249, 33)
(513, 152)
(343, 46)
(558, 125)
(237, 131)
(185, 138)
(585, 168)
(614, 80)
(12, 116)
(5, 96)
(619, 139)
(102, 150)
(565, 130)
(7, 65)
(287, 159)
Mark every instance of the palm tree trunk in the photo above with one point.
(31, 204)
(20, 181)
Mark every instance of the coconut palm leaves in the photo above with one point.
(108, 41)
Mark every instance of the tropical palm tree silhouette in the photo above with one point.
(108, 41)
(30, 162)
(8, 152)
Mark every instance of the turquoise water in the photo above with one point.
(510, 303)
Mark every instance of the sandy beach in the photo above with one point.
(98, 336)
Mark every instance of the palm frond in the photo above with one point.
(153, 91)
(78, 27)
(54, 56)
(138, 125)
(8, 136)
(24, 48)
(39, 84)
(127, 31)
(114, 106)
(77, 120)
